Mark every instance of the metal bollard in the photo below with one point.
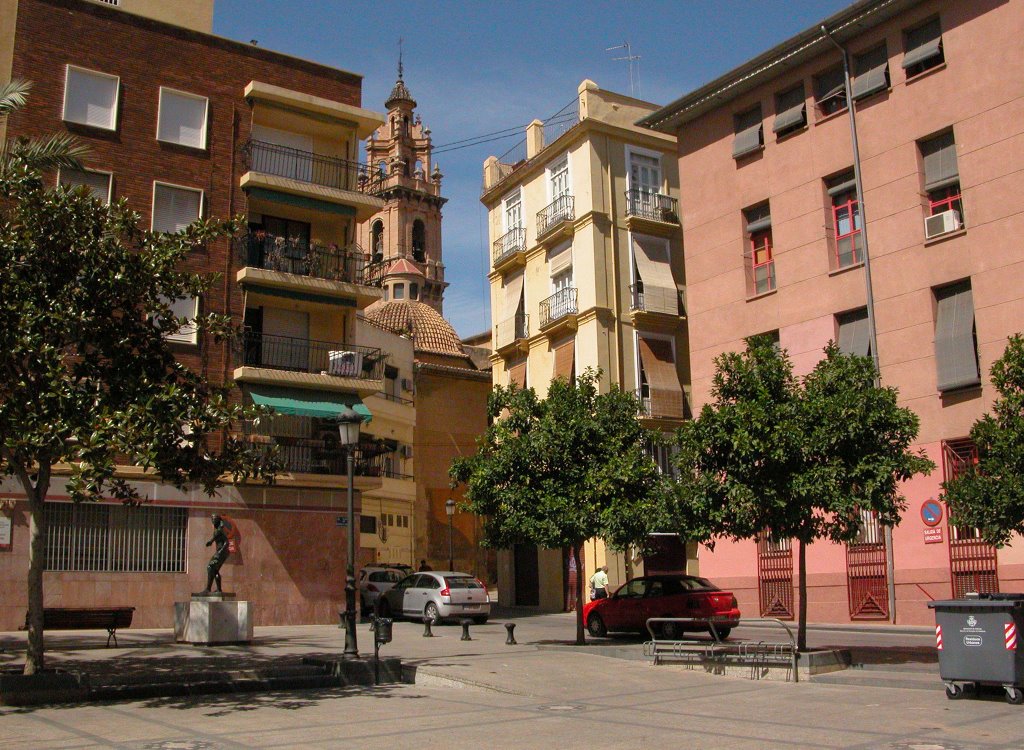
(465, 630)
(427, 622)
(511, 639)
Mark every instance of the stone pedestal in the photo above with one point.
(214, 618)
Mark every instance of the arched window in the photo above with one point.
(377, 241)
(382, 168)
(419, 241)
(418, 173)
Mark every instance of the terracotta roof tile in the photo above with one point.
(430, 332)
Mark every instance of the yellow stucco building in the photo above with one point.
(587, 271)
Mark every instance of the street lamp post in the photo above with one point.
(348, 428)
(449, 508)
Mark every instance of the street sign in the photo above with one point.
(931, 512)
(933, 536)
(341, 521)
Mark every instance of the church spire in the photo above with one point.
(400, 93)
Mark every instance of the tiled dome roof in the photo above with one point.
(400, 93)
(430, 332)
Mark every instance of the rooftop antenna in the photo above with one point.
(634, 72)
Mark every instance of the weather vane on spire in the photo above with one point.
(399, 58)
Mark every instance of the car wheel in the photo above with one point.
(480, 620)
(671, 631)
(431, 611)
(595, 626)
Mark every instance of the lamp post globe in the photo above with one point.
(449, 509)
(349, 423)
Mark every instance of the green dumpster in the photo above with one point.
(977, 639)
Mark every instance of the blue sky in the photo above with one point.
(480, 67)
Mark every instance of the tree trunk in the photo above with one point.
(801, 633)
(36, 563)
(581, 638)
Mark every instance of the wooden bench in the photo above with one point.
(87, 618)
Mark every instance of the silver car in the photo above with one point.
(439, 595)
(374, 581)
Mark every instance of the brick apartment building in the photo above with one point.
(184, 124)
(774, 237)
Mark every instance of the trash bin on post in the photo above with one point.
(977, 641)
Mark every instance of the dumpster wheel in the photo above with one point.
(1014, 695)
(956, 692)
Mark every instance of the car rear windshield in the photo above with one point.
(693, 583)
(462, 582)
(390, 576)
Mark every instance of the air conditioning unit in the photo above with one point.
(408, 385)
(406, 451)
(947, 221)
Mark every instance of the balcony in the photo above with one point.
(512, 333)
(328, 456)
(663, 404)
(555, 220)
(327, 183)
(559, 310)
(509, 250)
(655, 307)
(646, 211)
(286, 360)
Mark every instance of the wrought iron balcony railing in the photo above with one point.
(557, 306)
(311, 456)
(258, 249)
(305, 166)
(511, 330)
(560, 209)
(643, 397)
(653, 206)
(307, 355)
(510, 243)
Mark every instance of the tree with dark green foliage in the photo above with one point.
(558, 471)
(989, 496)
(88, 381)
(793, 459)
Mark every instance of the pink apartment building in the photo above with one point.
(774, 238)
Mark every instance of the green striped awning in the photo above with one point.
(303, 403)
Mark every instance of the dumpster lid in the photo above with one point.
(975, 604)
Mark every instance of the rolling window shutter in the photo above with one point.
(565, 360)
(872, 69)
(923, 44)
(182, 119)
(758, 219)
(841, 184)
(791, 110)
(956, 356)
(749, 135)
(97, 182)
(513, 295)
(853, 333)
(91, 99)
(660, 368)
(174, 208)
(561, 261)
(517, 375)
(661, 294)
(940, 167)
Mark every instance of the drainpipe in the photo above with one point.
(869, 293)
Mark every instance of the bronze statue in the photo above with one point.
(220, 537)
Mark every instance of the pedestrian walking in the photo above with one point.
(599, 583)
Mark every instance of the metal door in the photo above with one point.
(775, 577)
(972, 561)
(867, 580)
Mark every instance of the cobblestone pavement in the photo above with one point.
(484, 694)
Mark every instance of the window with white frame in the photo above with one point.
(186, 308)
(559, 178)
(513, 211)
(90, 98)
(182, 118)
(174, 208)
(97, 182)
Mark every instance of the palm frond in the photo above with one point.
(13, 96)
(51, 152)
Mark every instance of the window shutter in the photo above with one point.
(843, 183)
(853, 333)
(97, 182)
(940, 167)
(565, 358)
(758, 218)
(660, 368)
(182, 119)
(91, 98)
(872, 70)
(956, 355)
(174, 208)
(652, 264)
(749, 135)
(791, 110)
(923, 44)
(829, 84)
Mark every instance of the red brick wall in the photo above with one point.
(145, 55)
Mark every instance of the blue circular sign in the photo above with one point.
(931, 512)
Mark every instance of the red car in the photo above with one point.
(663, 596)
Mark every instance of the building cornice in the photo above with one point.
(844, 25)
